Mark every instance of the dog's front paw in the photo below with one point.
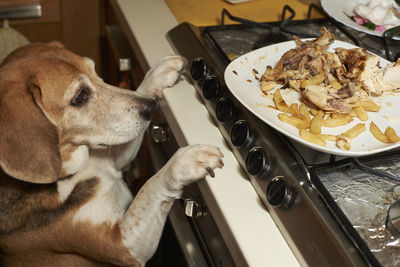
(192, 163)
(165, 73)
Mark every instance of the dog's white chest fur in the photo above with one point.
(112, 196)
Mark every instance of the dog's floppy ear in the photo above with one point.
(28, 140)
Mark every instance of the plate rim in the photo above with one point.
(335, 150)
(347, 21)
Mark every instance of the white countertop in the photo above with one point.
(249, 232)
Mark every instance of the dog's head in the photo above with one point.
(54, 107)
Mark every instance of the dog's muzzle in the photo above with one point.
(147, 108)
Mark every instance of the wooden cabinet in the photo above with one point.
(76, 23)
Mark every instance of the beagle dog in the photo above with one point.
(65, 136)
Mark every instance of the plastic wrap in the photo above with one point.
(365, 199)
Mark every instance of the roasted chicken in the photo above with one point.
(332, 81)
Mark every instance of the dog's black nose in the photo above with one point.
(148, 108)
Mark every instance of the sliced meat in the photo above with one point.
(348, 75)
(320, 96)
(345, 92)
(391, 77)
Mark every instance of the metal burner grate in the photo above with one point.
(287, 27)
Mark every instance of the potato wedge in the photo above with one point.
(343, 142)
(338, 121)
(391, 134)
(280, 102)
(327, 137)
(273, 107)
(305, 113)
(312, 138)
(339, 115)
(354, 131)
(336, 85)
(317, 79)
(370, 105)
(267, 86)
(296, 122)
(361, 113)
(316, 123)
(378, 133)
(352, 114)
(314, 111)
(294, 110)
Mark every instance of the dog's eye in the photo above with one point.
(81, 97)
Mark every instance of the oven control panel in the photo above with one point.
(254, 155)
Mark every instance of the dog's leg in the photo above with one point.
(165, 73)
(142, 224)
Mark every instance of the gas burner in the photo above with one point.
(274, 36)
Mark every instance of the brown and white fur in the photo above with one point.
(65, 136)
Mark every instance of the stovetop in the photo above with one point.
(331, 210)
(236, 40)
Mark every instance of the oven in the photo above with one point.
(190, 224)
(331, 210)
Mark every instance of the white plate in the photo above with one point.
(245, 87)
(338, 9)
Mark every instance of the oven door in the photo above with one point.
(193, 227)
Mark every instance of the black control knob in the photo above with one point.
(279, 194)
(258, 162)
(225, 110)
(159, 133)
(193, 208)
(198, 69)
(211, 88)
(241, 134)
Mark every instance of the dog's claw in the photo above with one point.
(210, 171)
(192, 163)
